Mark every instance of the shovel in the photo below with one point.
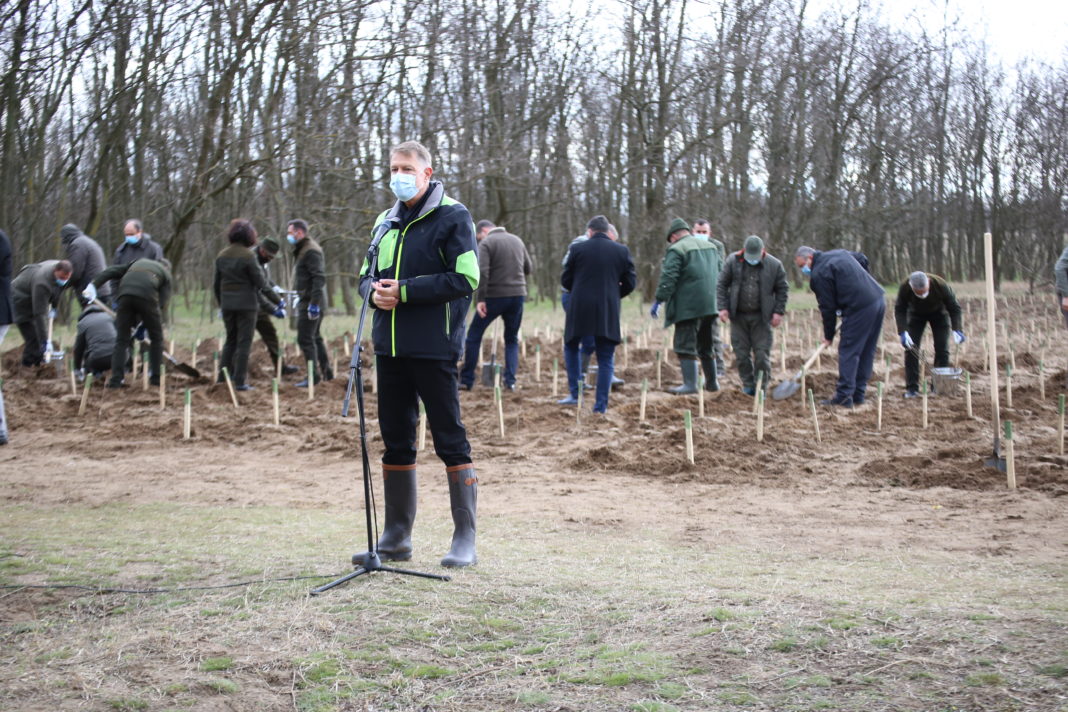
(792, 385)
(182, 367)
(48, 343)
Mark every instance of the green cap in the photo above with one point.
(270, 245)
(676, 225)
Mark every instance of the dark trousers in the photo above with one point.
(605, 350)
(856, 350)
(510, 310)
(940, 330)
(130, 312)
(33, 349)
(265, 328)
(402, 383)
(751, 340)
(239, 323)
(587, 345)
(96, 365)
(693, 338)
(313, 348)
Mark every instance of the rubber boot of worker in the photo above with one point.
(399, 487)
(463, 496)
(708, 366)
(689, 377)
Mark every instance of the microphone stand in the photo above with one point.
(373, 562)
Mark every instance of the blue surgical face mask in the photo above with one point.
(403, 186)
(133, 239)
(62, 282)
(806, 270)
(290, 239)
(753, 260)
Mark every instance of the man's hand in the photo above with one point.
(724, 315)
(481, 309)
(280, 311)
(906, 340)
(776, 319)
(655, 310)
(827, 343)
(387, 294)
(314, 312)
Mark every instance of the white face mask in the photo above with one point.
(922, 296)
(753, 260)
(404, 186)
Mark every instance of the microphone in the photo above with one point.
(379, 233)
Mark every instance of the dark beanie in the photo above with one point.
(598, 223)
(269, 245)
(676, 225)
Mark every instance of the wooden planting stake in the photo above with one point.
(968, 393)
(626, 350)
(756, 393)
(1060, 424)
(782, 354)
(803, 391)
(336, 370)
(659, 380)
(1010, 456)
(1012, 359)
(991, 336)
(215, 373)
(85, 393)
(815, 420)
(193, 358)
(522, 345)
(819, 364)
(187, 416)
(172, 346)
(422, 426)
(345, 342)
(700, 396)
(645, 397)
(581, 393)
(888, 359)
(274, 398)
(1008, 386)
(500, 408)
(162, 386)
(879, 407)
(230, 386)
(923, 390)
(537, 363)
(278, 366)
(556, 378)
(136, 361)
(144, 374)
(1042, 379)
(760, 416)
(73, 380)
(311, 380)
(497, 376)
(688, 421)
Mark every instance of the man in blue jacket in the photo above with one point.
(420, 287)
(841, 284)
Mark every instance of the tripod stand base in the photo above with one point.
(371, 564)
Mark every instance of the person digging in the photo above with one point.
(926, 299)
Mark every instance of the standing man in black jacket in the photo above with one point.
(136, 245)
(309, 281)
(420, 287)
(85, 256)
(926, 299)
(599, 272)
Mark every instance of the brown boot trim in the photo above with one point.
(453, 474)
(397, 468)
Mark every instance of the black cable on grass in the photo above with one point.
(60, 586)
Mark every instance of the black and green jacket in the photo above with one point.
(144, 278)
(940, 300)
(434, 256)
(309, 274)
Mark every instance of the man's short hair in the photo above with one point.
(702, 221)
(598, 223)
(483, 224)
(299, 225)
(804, 252)
(242, 232)
(412, 148)
(918, 280)
(63, 266)
(135, 222)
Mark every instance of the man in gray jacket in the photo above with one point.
(752, 293)
(86, 258)
(35, 293)
(504, 265)
(1060, 273)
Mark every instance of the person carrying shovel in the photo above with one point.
(926, 299)
(35, 293)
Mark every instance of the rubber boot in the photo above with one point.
(399, 487)
(689, 377)
(708, 366)
(463, 496)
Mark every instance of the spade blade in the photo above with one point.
(786, 389)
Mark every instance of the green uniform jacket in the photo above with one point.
(33, 292)
(239, 280)
(144, 278)
(940, 298)
(266, 305)
(688, 278)
(309, 279)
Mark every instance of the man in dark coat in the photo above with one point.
(926, 299)
(85, 256)
(266, 250)
(752, 292)
(7, 270)
(599, 272)
(309, 281)
(143, 293)
(35, 293)
(136, 245)
(841, 284)
(95, 342)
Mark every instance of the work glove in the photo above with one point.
(277, 289)
(655, 310)
(314, 311)
(906, 340)
(89, 292)
(51, 313)
(958, 337)
(141, 332)
(47, 352)
(280, 311)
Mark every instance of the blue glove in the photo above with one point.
(280, 311)
(655, 310)
(51, 313)
(906, 340)
(314, 311)
(141, 332)
(958, 337)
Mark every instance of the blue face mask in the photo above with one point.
(806, 270)
(62, 282)
(753, 260)
(290, 239)
(133, 239)
(403, 186)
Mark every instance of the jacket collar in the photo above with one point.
(431, 201)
